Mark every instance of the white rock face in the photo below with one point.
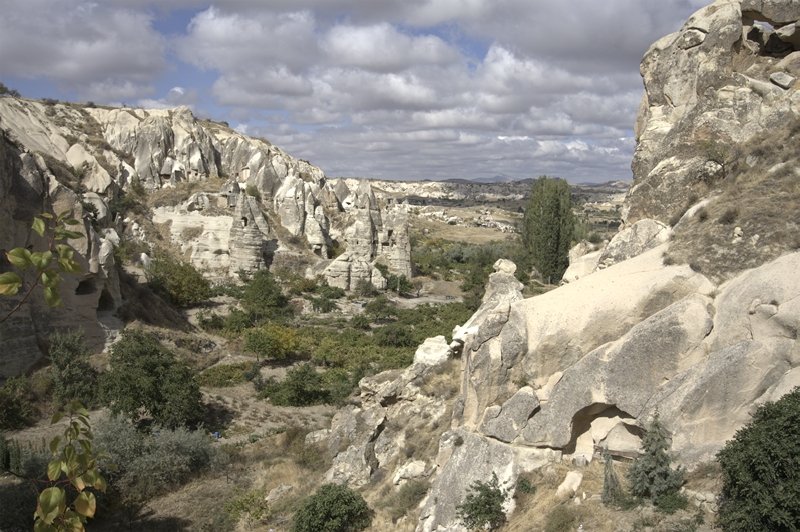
(204, 239)
(433, 351)
(569, 487)
(698, 104)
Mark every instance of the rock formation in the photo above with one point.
(269, 204)
(580, 370)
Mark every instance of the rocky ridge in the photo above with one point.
(270, 208)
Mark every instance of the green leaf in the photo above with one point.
(50, 278)
(54, 469)
(39, 226)
(46, 216)
(19, 257)
(63, 234)
(41, 259)
(10, 283)
(65, 251)
(71, 221)
(86, 504)
(51, 504)
(58, 416)
(51, 296)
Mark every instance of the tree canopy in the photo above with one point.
(548, 227)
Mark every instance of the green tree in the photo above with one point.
(333, 508)
(761, 470)
(548, 226)
(73, 377)
(482, 508)
(146, 379)
(263, 297)
(272, 341)
(178, 281)
(651, 475)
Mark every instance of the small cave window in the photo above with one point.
(244, 221)
(85, 287)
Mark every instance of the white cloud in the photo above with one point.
(421, 88)
(100, 52)
(381, 47)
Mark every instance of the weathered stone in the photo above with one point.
(569, 487)
(634, 240)
(782, 80)
(692, 37)
(505, 423)
(432, 352)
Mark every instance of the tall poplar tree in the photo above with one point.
(548, 227)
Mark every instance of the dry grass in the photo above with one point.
(755, 198)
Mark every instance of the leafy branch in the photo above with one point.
(75, 460)
(47, 265)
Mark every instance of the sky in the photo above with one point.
(388, 89)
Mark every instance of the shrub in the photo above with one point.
(359, 321)
(365, 288)
(142, 466)
(272, 341)
(251, 190)
(651, 475)
(760, 487)
(612, 491)
(147, 379)
(407, 497)
(262, 297)
(381, 309)
(16, 409)
(303, 386)
(333, 508)
(394, 336)
(562, 518)
(225, 375)
(178, 281)
(729, 216)
(322, 304)
(73, 377)
(482, 508)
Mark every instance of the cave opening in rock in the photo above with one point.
(85, 287)
(106, 302)
(582, 422)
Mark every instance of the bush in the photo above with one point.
(146, 379)
(612, 490)
(272, 341)
(252, 191)
(562, 518)
(333, 508)
(394, 336)
(303, 386)
(650, 475)
(482, 508)
(142, 466)
(16, 409)
(178, 281)
(262, 297)
(359, 321)
(407, 497)
(73, 377)
(760, 487)
(225, 375)
(322, 304)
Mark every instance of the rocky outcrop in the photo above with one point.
(371, 235)
(28, 188)
(710, 89)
